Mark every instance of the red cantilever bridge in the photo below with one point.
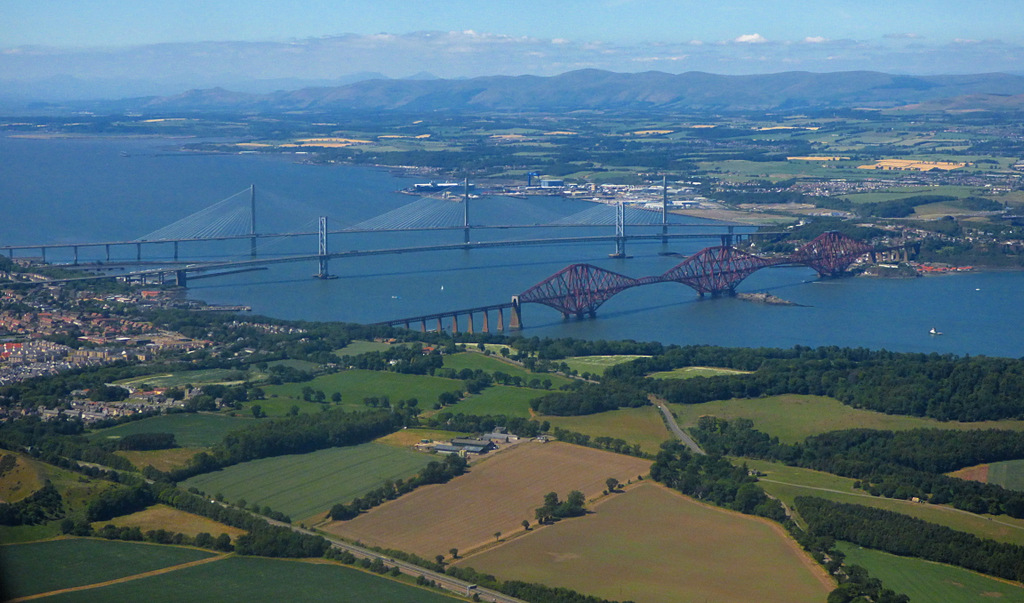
(580, 289)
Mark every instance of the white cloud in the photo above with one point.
(751, 39)
(815, 39)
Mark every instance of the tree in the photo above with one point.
(293, 411)
(336, 397)
(257, 411)
(526, 524)
(455, 552)
(612, 484)
(497, 536)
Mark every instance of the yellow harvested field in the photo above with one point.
(508, 136)
(768, 128)
(911, 164)
(836, 158)
(560, 133)
(649, 132)
(496, 495)
(653, 545)
(163, 517)
(252, 145)
(328, 142)
(700, 126)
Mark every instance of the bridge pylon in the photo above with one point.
(324, 272)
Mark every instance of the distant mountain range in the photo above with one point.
(592, 89)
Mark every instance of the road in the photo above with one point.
(445, 581)
(674, 428)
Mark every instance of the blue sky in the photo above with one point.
(132, 22)
(201, 43)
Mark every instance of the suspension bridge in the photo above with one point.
(580, 289)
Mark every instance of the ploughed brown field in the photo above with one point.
(496, 495)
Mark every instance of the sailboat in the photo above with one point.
(934, 331)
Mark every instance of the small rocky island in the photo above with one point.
(766, 298)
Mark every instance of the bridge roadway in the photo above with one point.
(10, 249)
(207, 266)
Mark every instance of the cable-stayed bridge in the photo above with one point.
(235, 218)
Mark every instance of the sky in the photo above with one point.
(201, 43)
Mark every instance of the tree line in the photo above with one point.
(908, 536)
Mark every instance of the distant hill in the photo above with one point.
(592, 89)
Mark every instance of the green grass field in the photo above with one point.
(1008, 474)
(927, 582)
(642, 426)
(793, 417)
(355, 386)
(490, 364)
(653, 545)
(200, 377)
(40, 567)
(688, 372)
(786, 483)
(301, 485)
(597, 364)
(191, 430)
(245, 579)
(361, 347)
(499, 400)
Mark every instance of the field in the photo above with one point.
(356, 348)
(164, 460)
(786, 483)
(597, 364)
(652, 545)
(191, 430)
(497, 494)
(1008, 474)
(22, 479)
(356, 385)
(40, 567)
(927, 582)
(162, 517)
(642, 426)
(499, 400)
(246, 579)
(407, 438)
(490, 364)
(302, 485)
(204, 376)
(687, 372)
(76, 491)
(792, 418)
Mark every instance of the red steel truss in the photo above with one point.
(582, 288)
(830, 253)
(578, 289)
(717, 270)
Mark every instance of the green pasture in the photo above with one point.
(898, 192)
(40, 567)
(642, 426)
(490, 364)
(302, 485)
(178, 379)
(786, 483)
(793, 417)
(499, 400)
(597, 364)
(929, 582)
(356, 385)
(191, 430)
(245, 579)
(356, 348)
(1008, 474)
(688, 372)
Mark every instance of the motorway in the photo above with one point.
(445, 581)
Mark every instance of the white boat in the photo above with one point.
(935, 332)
